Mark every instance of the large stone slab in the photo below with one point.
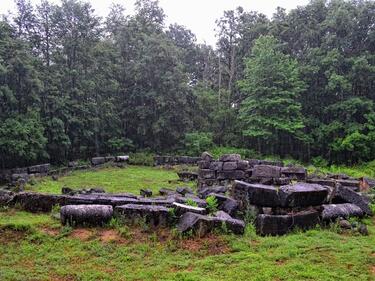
(226, 204)
(37, 202)
(201, 225)
(256, 194)
(230, 158)
(294, 172)
(86, 214)
(345, 194)
(181, 209)
(324, 182)
(302, 195)
(333, 211)
(204, 192)
(97, 161)
(39, 169)
(149, 214)
(266, 171)
(282, 224)
(123, 158)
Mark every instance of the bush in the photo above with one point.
(196, 143)
(212, 204)
(141, 158)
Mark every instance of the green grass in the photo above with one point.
(35, 246)
(319, 254)
(129, 179)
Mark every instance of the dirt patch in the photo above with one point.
(11, 236)
(280, 262)
(208, 245)
(51, 231)
(61, 278)
(109, 235)
(372, 270)
(82, 234)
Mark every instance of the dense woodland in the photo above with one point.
(74, 85)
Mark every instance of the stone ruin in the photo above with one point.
(18, 177)
(279, 198)
(175, 160)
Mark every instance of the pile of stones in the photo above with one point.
(20, 176)
(175, 160)
(280, 198)
(17, 178)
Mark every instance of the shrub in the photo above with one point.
(141, 158)
(196, 143)
(212, 204)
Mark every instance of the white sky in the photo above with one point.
(197, 15)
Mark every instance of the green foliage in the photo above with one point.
(212, 204)
(191, 202)
(245, 153)
(141, 158)
(196, 143)
(271, 110)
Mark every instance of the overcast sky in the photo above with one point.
(197, 15)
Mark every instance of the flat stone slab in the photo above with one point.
(37, 202)
(86, 214)
(303, 195)
(97, 161)
(333, 211)
(181, 209)
(282, 224)
(230, 158)
(149, 214)
(226, 204)
(201, 225)
(204, 192)
(266, 171)
(345, 194)
(295, 172)
(324, 182)
(257, 194)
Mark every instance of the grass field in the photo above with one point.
(36, 247)
(129, 179)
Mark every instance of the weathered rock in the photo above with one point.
(324, 182)
(206, 174)
(97, 161)
(166, 191)
(86, 214)
(294, 172)
(253, 162)
(226, 203)
(123, 158)
(256, 194)
(204, 164)
(145, 192)
(206, 157)
(110, 158)
(39, 169)
(229, 166)
(333, 211)
(151, 215)
(72, 164)
(243, 165)
(353, 184)
(345, 194)
(187, 176)
(37, 202)
(231, 175)
(201, 225)
(203, 193)
(67, 190)
(181, 209)
(266, 171)
(281, 181)
(282, 224)
(6, 197)
(230, 158)
(362, 229)
(216, 166)
(345, 224)
(183, 200)
(302, 195)
(184, 190)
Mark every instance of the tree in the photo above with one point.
(271, 111)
